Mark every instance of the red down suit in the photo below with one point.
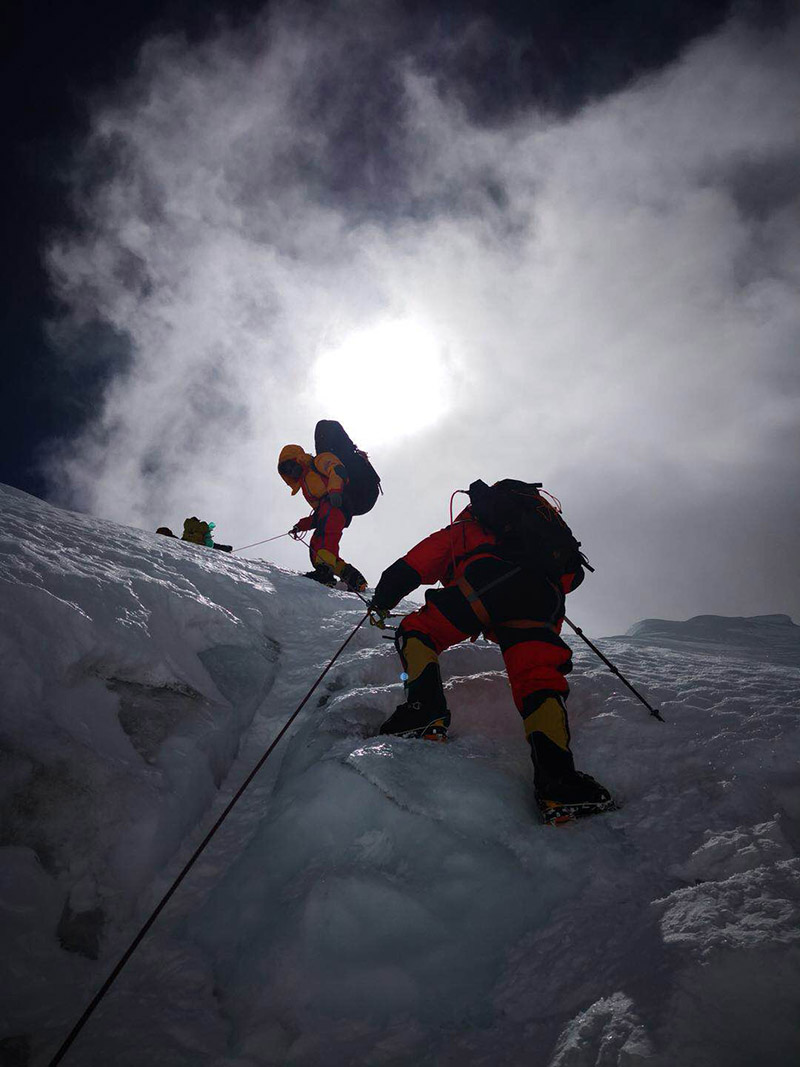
(518, 607)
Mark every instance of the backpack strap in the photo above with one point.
(475, 602)
(473, 598)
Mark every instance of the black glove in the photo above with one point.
(335, 500)
(378, 616)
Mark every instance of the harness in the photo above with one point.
(473, 598)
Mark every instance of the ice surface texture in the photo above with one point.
(373, 900)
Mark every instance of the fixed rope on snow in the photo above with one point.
(294, 534)
(264, 542)
(192, 860)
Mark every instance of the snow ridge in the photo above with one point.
(765, 637)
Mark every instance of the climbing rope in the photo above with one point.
(264, 542)
(298, 536)
(192, 860)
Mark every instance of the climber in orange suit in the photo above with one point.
(323, 481)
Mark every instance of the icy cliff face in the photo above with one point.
(374, 900)
(127, 686)
(132, 667)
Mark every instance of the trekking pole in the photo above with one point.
(653, 711)
(264, 542)
(193, 858)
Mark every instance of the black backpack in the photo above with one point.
(364, 485)
(529, 530)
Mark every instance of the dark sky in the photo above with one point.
(55, 55)
(559, 52)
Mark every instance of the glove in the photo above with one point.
(378, 616)
(335, 500)
(302, 526)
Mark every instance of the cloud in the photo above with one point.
(614, 295)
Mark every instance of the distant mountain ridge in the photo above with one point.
(766, 636)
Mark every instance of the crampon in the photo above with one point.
(435, 730)
(554, 813)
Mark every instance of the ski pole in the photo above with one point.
(614, 670)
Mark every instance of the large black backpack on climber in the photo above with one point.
(364, 485)
(529, 529)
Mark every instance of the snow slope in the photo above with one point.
(371, 900)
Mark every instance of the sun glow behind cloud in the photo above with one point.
(388, 380)
(605, 300)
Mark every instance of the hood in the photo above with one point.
(303, 458)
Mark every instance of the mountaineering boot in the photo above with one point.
(323, 574)
(574, 796)
(424, 713)
(352, 580)
(411, 720)
(562, 793)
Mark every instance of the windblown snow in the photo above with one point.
(372, 900)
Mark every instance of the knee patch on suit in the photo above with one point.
(416, 655)
(546, 726)
(546, 713)
(424, 683)
(336, 564)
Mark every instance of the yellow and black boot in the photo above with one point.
(562, 793)
(424, 713)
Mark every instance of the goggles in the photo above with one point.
(290, 468)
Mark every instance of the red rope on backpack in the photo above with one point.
(556, 502)
(450, 527)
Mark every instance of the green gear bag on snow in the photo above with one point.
(364, 485)
(529, 529)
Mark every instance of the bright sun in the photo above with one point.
(383, 382)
